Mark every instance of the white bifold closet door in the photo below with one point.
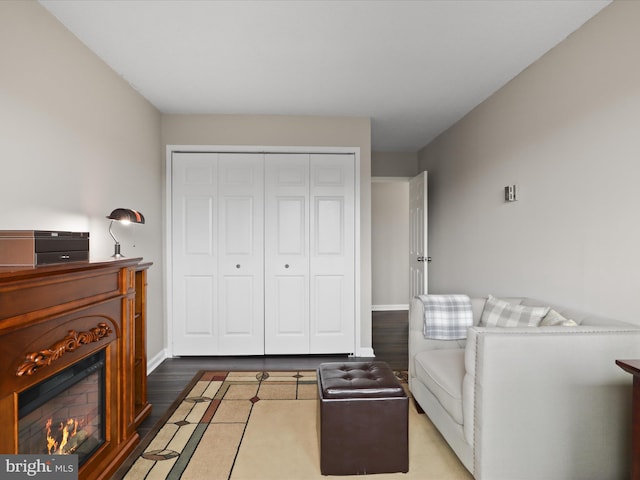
(309, 253)
(218, 254)
(263, 253)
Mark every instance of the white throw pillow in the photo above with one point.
(498, 313)
(554, 319)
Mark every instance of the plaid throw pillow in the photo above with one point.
(498, 313)
(554, 319)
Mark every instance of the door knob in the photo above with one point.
(286, 265)
(237, 265)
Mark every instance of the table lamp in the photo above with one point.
(125, 216)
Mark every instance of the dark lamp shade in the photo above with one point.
(126, 215)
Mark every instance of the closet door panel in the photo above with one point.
(241, 253)
(194, 249)
(328, 291)
(238, 229)
(329, 213)
(332, 249)
(291, 305)
(287, 254)
(235, 311)
(198, 306)
(291, 214)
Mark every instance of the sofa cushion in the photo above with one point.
(498, 313)
(554, 319)
(442, 371)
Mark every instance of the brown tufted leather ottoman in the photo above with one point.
(363, 419)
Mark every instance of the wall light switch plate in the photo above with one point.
(510, 193)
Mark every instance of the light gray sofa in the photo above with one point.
(538, 403)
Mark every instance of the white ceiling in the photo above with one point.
(414, 67)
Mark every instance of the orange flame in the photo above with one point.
(67, 431)
(51, 442)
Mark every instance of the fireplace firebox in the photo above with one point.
(65, 413)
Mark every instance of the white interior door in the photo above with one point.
(194, 282)
(332, 253)
(287, 253)
(418, 256)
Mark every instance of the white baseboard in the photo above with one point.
(154, 362)
(365, 352)
(389, 308)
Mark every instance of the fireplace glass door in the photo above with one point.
(65, 414)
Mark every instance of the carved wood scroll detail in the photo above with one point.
(71, 342)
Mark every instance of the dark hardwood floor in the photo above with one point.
(390, 338)
(164, 384)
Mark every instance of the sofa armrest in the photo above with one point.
(549, 402)
(418, 343)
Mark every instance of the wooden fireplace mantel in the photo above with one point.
(53, 316)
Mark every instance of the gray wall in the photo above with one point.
(394, 164)
(566, 132)
(77, 142)
(390, 242)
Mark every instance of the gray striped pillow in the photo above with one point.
(498, 313)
